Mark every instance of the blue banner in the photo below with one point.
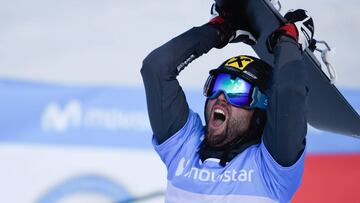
(40, 113)
(46, 113)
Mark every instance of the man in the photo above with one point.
(252, 147)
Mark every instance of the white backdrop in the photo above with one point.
(30, 172)
(104, 42)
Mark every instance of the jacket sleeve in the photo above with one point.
(285, 131)
(167, 107)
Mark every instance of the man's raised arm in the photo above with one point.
(284, 134)
(167, 106)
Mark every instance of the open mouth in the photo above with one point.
(218, 117)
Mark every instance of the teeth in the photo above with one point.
(219, 111)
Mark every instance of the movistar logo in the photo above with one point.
(181, 167)
(208, 175)
(59, 119)
(75, 115)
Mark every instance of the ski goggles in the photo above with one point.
(237, 91)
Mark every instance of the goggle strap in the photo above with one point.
(207, 85)
(260, 100)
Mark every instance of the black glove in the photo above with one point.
(225, 30)
(232, 28)
(299, 27)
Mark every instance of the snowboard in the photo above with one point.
(328, 109)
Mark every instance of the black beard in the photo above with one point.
(223, 147)
(232, 133)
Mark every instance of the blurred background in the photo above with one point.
(73, 118)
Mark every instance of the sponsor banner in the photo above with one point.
(102, 116)
(107, 116)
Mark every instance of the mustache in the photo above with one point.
(223, 104)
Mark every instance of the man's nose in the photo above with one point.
(222, 97)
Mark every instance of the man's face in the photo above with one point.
(224, 122)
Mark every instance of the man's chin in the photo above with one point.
(214, 138)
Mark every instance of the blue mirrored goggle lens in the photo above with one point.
(236, 90)
(241, 101)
